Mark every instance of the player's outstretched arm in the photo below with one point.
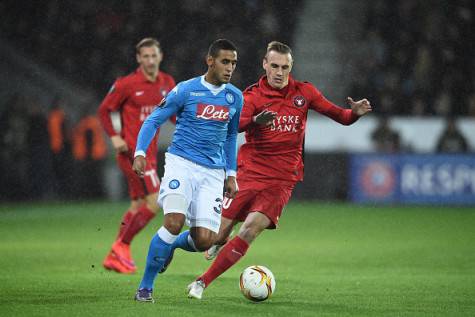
(360, 107)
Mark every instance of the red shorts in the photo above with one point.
(266, 198)
(139, 187)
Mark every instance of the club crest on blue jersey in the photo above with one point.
(299, 101)
(174, 184)
(229, 97)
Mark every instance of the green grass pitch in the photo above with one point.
(328, 260)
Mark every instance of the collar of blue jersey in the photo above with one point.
(270, 91)
(214, 89)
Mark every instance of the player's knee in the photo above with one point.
(249, 233)
(174, 222)
(203, 243)
(221, 239)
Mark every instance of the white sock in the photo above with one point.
(166, 236)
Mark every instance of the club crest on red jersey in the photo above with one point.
(212, 112)
(299, 101)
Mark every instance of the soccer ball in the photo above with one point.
(257, 283)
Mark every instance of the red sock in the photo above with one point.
(124, 223)
(232, 252)
(138, 221)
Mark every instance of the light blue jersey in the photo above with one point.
(206, 127)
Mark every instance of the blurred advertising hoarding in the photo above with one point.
(412, 179)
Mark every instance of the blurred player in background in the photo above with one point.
(135, 96)
(200, 160)
(270, 163)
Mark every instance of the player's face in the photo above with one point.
(221, 67)
(277, 67)
(149, 59)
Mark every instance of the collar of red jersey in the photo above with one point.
(142, 76)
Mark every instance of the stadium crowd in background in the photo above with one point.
(418, 59)
(45, 156)
(93, 38)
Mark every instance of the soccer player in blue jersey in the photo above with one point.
(200, 160)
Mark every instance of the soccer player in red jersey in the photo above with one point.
(270, 163)
(135, 96)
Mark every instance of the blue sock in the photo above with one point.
(183, 242)
(158, 252)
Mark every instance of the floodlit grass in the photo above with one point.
(328, 260)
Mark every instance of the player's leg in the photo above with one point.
(142, 211)
(205, 210)
(160, 250)
(147, 187)
(196, 239)
(176, 203)
(234, 210)
(225, 231)
(186, 239)
(146, 211)
(175, 197)
(158, 253)
(134, 204)
(119, 258)
(231, 253)
(237, 247)
(269, 200)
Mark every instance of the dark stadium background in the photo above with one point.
(411, 59)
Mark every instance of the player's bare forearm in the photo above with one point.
(231, 187)
(139, 165)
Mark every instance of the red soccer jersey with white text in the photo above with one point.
(134, 97)
(274, 153)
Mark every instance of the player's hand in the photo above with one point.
(360, 107)
(119, 144)
(230, 187)
(139, 165)
(266, 117)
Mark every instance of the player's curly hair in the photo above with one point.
(147, 42)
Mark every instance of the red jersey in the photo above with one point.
(134, 97)
(274, 153)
